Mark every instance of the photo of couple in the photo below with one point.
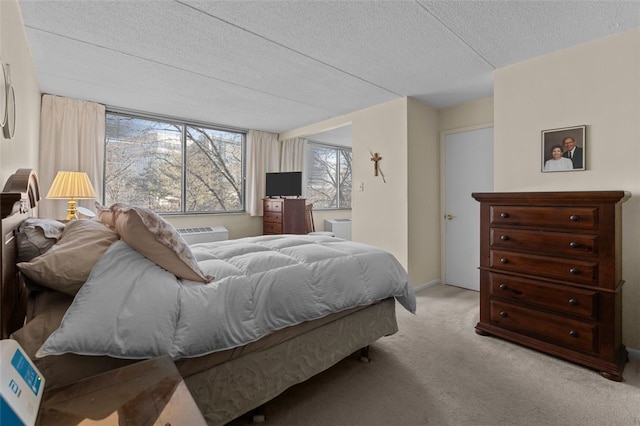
(563, 149)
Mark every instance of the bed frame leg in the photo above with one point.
(364, 354)
(258, 415)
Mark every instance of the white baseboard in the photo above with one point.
(633, 353)
(426, 285)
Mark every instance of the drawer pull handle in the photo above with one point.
(504, 260)
(504, 215)
(574, 218)
(503, 314)
(504, 237)
(573, 302)
(573, 334)
(504, 287)
(574, 271)
(574, 244)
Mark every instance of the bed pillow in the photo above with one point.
(107, 215)
(155, 238)
(67, 264)
(35, 236)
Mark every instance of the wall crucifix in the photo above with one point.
(376, 167)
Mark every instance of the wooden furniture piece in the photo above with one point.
(283, 216)
(310, 226)
(18, 200)
(550, 274)
(150, 392)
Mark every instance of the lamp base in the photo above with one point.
(71, 211)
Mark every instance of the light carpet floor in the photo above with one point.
(437, 371)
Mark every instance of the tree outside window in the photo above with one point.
(173, 167)
(328, 176)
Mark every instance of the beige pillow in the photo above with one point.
(156, 239)
(68, 263)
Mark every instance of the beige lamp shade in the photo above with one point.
(71, 185)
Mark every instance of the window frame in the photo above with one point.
(183, 124)
(337, 148)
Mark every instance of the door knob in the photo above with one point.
(449, 216)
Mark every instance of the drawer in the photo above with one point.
(272, 206)
(551, 328)
(578, 271)
(565, 218)
(565, 299)
(272, 217)
(271, 228)
(545, 242)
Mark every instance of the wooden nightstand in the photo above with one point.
(149, 392)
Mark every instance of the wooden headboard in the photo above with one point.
(18, 201)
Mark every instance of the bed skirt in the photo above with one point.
(229, 390)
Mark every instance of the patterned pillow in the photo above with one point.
(148, 233)
(107, 215)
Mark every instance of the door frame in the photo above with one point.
(443, 135)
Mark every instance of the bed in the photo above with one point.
(243, 319)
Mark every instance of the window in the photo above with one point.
(173, 167)
(328, 176)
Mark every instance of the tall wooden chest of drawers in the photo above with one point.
(283, 216)
(551, 274)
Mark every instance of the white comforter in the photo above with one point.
(131, 308)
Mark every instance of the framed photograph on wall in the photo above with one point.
(564, 150)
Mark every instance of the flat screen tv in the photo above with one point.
(284, 184)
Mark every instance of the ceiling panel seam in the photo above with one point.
(290, 49)
(459, 37)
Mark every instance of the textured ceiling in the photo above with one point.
(278, 65)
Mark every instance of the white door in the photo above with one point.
(468, 168)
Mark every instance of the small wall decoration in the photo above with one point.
(376, 168)
(8, 118)
(9, 127)
(564, 150)
(3, 95)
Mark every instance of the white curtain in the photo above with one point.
(292, 156)
(263, 152)
(72, 137)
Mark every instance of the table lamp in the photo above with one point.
(71, 185)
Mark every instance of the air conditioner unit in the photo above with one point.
(204, 234)
(340, 227)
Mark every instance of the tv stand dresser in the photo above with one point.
(550, 274)
(283, 216)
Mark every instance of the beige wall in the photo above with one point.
(424, 187)
(595, 84)
(478, 113)
(22, 150)
(380, 212)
